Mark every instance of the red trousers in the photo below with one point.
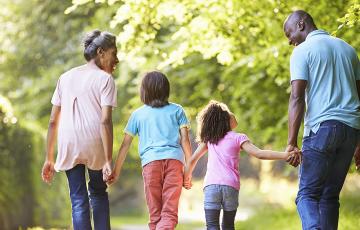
(163, 180)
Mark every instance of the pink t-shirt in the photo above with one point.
(81, 92)
(223, 160)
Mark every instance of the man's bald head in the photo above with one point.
(297, 26)
(300, 15)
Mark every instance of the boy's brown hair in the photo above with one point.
(155, 89)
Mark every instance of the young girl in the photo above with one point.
(222, 181)
(163, 132)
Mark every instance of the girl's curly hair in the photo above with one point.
(213, 122)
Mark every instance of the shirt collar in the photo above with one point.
(316, 32)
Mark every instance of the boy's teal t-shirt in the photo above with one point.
(159, 132)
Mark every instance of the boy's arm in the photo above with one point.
(185, 143)
(264, 154)
(124, 148)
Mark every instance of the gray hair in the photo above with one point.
(97, 39)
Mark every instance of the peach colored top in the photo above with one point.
(81, 92)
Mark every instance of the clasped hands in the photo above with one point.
(295, 158)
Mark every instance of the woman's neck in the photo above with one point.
(93, 62)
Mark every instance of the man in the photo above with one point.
(325, 76)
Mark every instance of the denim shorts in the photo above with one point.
(221, 197)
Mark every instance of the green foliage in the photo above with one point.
(234, 51)
(16, 167)
(230, 50)
(352, 16)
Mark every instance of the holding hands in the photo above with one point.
(187, 179)
(107, 171)
(295, 157)
(112, 177)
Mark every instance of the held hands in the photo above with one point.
(187, 180)
(112, 177)
(107, 170)
(294, 157)
(47, 172)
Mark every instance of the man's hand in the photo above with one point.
(357, 156)
(293, 159)
(47, 172)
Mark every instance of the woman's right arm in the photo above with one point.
(48, 167)
(264, 154)
(106, 132)
(124, 148)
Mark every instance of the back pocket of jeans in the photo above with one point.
(324, 139)
(212, 194)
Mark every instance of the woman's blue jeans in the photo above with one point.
(327, 157)
(80, 199)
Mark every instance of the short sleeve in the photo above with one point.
(299, 69)
(182, 119)
(241, 139)
(108, 93)
(132, 127)
(56, 98)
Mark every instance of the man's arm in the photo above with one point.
(48, 167)
(357, 150)
(296, 114)
(296, 110)
(106, 132)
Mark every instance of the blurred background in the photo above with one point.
(233, 51)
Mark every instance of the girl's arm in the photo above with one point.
(199, 152)
(124, 148)
(185, 143)
(264, 154)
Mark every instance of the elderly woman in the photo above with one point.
(82, 114)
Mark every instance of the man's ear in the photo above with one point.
(301, 25)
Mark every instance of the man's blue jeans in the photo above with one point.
(80, 199)
(327, 157)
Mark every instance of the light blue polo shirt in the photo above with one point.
(159, 132)
(331, 68)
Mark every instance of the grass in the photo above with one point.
(271, 206)
(118, 221)
(275, 218)
(269, 217)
